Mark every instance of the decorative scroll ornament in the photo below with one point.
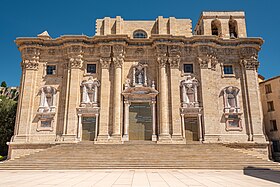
(76, 62)
(139, 52)
(118, 49)
(161, 50)
(118, 60)
(174, 61)
(105, 62)
(208, 62)
(105, 51)
(248, 52)
(174, 50)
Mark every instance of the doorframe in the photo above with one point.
(87, 112)
(193, 112)
(141, 95)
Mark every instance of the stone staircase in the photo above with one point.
(86, 155)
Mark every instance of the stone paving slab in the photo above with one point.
(141, 178)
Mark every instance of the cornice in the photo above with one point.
(85, 41)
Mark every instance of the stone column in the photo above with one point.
(126, 121)
(254, 108)
(96, 127)
(103, 135)
(183, 125)
(95, 93)
(154, 136)
(79, 130)
(75, 64)
(163, 101)
(175, 98)
(118, 62)
(28, 91)
(200, 138)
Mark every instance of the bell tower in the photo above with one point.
(222, 24)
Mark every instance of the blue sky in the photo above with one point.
(28, 18)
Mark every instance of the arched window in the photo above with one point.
(232, 24)
(139, 34)
(216, 27)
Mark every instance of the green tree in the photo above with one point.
(3, 84)
(8, 109)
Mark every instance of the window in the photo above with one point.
(46, 123)
(228, 69)
(91, 68)
(188, 68)
(233, 122)
(268, 88)
(139, 34)
(273, 125)
(270, 106)
(51, 69)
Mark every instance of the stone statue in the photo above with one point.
(189, 92)
(89, 92)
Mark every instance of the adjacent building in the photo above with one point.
(270, 97)
(157, 80)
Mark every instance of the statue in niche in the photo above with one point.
(231, 99)
(231, 93)
(47, 102)
(189, 92)
(139, 71)
(139, 75)
(89, 92)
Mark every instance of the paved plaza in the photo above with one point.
(143, 178)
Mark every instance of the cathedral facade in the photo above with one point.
(158, 81)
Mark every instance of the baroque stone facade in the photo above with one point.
(270, 97)
(141, 80)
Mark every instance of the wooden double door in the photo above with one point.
(140, 121)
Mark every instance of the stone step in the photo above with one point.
(87, 155)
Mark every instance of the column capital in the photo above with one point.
(162, 61)
(174, 61)
(76, 62)
(118, 60)
(30, 64)
(105, 62)
(250, 64)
